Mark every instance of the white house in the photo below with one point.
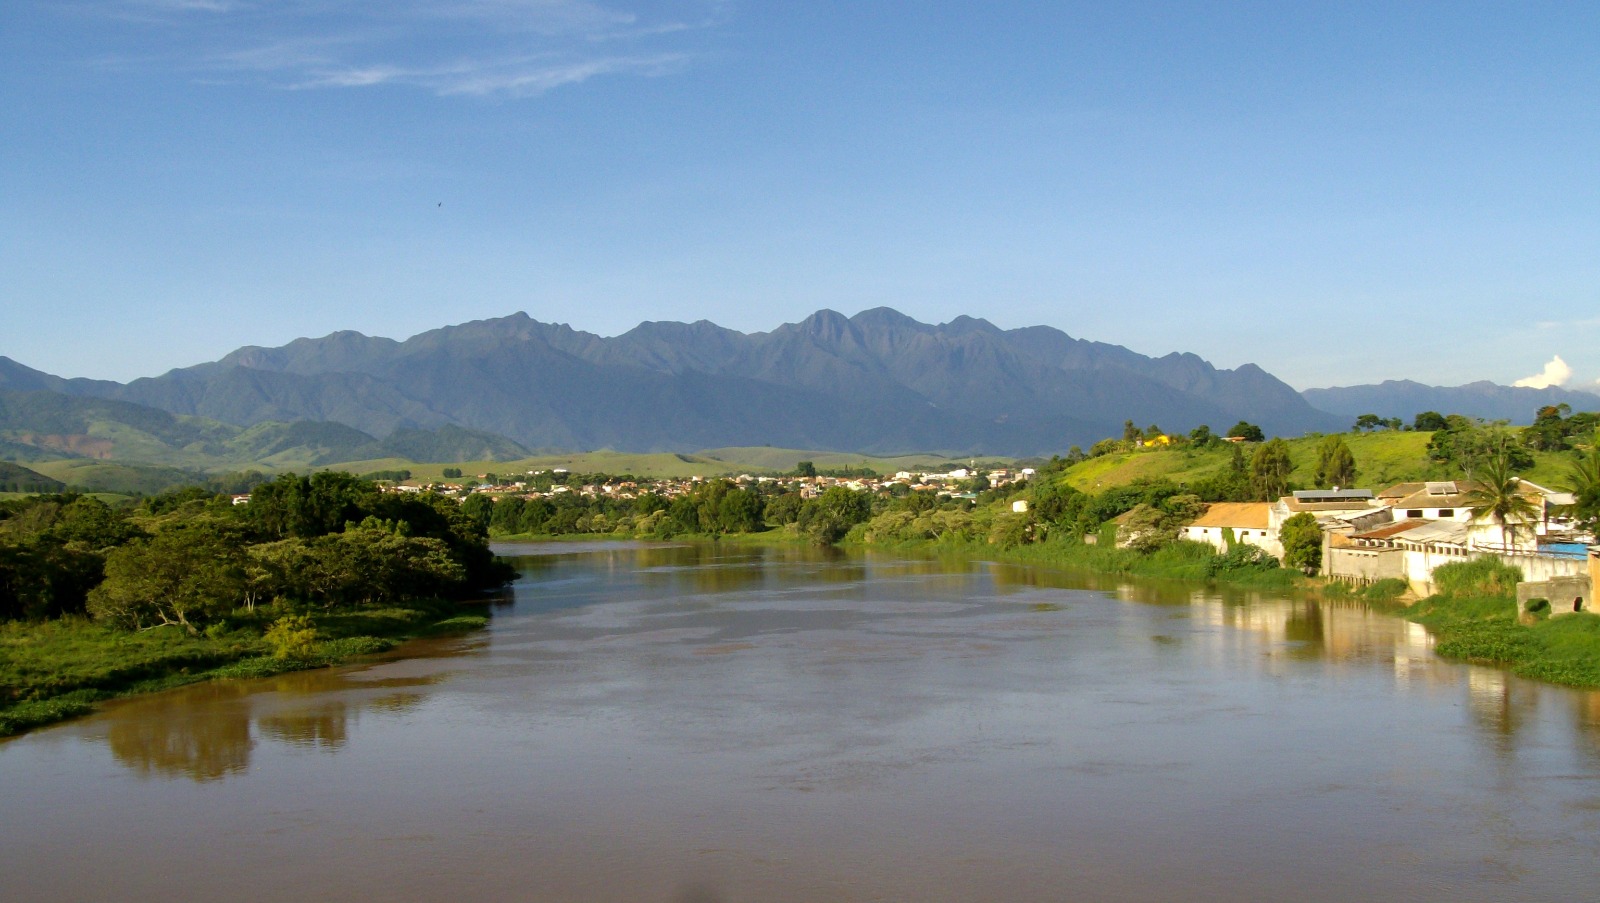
(1249, 522)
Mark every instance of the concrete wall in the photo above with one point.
(1566, 595)
(1216, 537)
(1545, 567)
(1363, 566)
(1416, 566)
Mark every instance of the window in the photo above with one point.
(1414, 512)
(1447, 512)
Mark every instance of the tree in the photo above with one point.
(316, 505)
(805, 469)
(1201, 436)
(1249, 432)
(1335, 465)
(1584, 483)
(1468, 444)
(1429, 421)
(1548, 431)
(1131, 433)
(186, 575)
(741, 511)
(827, 518)
(1497, 495)
(1146, 529)
(1368, 422)
(479, 509)
(1302, 542)
(1269, 470)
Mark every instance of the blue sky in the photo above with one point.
(1342, 193)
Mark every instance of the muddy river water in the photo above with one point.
(697, 723)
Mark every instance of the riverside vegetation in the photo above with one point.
(97, 602)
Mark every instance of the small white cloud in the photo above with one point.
(1556, 373)
(355, 78)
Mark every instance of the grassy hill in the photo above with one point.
(16, 478)
(1382, 459)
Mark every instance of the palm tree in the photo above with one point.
(1584, 483)
(1498, 495)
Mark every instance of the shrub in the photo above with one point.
(1243, 557)
(1385, 590)
(292, 636)
(1485, 576)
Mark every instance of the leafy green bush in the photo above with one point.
(1484, 576)
(1242, 557)
(1385, 590)
(292, 636)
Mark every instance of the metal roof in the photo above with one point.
(1328, 495)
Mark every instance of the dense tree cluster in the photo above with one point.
(1468, 445)
(1556, 428)
(715, 507)
(190, 557)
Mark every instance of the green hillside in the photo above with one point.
(109, 476)
(1382, 459)
(16, 478)
(116, 446)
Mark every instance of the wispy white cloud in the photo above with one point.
(517, 78)
(185, 6)
(1555, 373)
(512, 48)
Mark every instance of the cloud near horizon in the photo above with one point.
(509, 48)
(1555, 373)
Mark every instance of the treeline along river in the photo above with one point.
(720, 722)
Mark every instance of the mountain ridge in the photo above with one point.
(879, 382)
(1406, 398)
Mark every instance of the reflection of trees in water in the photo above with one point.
(321, 726)
(396, 703)
(179, 735)
(1303, 623)
(205, 732)
(701, 569)
(1497, 702)
(1586, 716)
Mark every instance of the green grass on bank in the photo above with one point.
(1474, 618)
(58, 669)
(1382, 459)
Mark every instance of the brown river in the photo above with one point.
(693, 724)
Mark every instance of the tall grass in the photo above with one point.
(1180, 560)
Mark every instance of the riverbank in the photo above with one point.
(56, 670)
(1473, 620)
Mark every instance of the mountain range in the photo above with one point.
(1405, 399)
(878, 382)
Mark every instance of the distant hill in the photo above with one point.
(1405, 399)
(16, 478)
(879, 382)
(40, 426)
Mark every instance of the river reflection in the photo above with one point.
(715, 722)
(209, 731)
